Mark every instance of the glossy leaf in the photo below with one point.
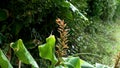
(47, 50)
(4, 62)
(23, 54)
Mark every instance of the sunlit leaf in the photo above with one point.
(4, 62)
(47, 50)
(23, 54)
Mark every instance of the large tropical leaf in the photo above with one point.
(23, 54)
(4, 62)
(47, 50)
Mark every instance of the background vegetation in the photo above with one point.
(93, 27)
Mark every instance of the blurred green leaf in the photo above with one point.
(3, 14)
(98, 65)
(23, 54)
(72, 62)
(4, 62)
(47, 50)
(85, 64)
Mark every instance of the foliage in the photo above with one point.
(4, 62)
(22, 53)
(102, 9)
(47, 51)
(93, 38)
(89, 23)
(3, 15)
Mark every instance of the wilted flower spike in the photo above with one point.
(62, 47)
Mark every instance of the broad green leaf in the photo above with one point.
(3, 14)
(4, 62)
(47, 50)
(72, 62)
(23, 54)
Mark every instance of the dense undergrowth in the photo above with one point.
(93, 27)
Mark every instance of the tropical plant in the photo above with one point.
(46, 51)
(88, 22)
